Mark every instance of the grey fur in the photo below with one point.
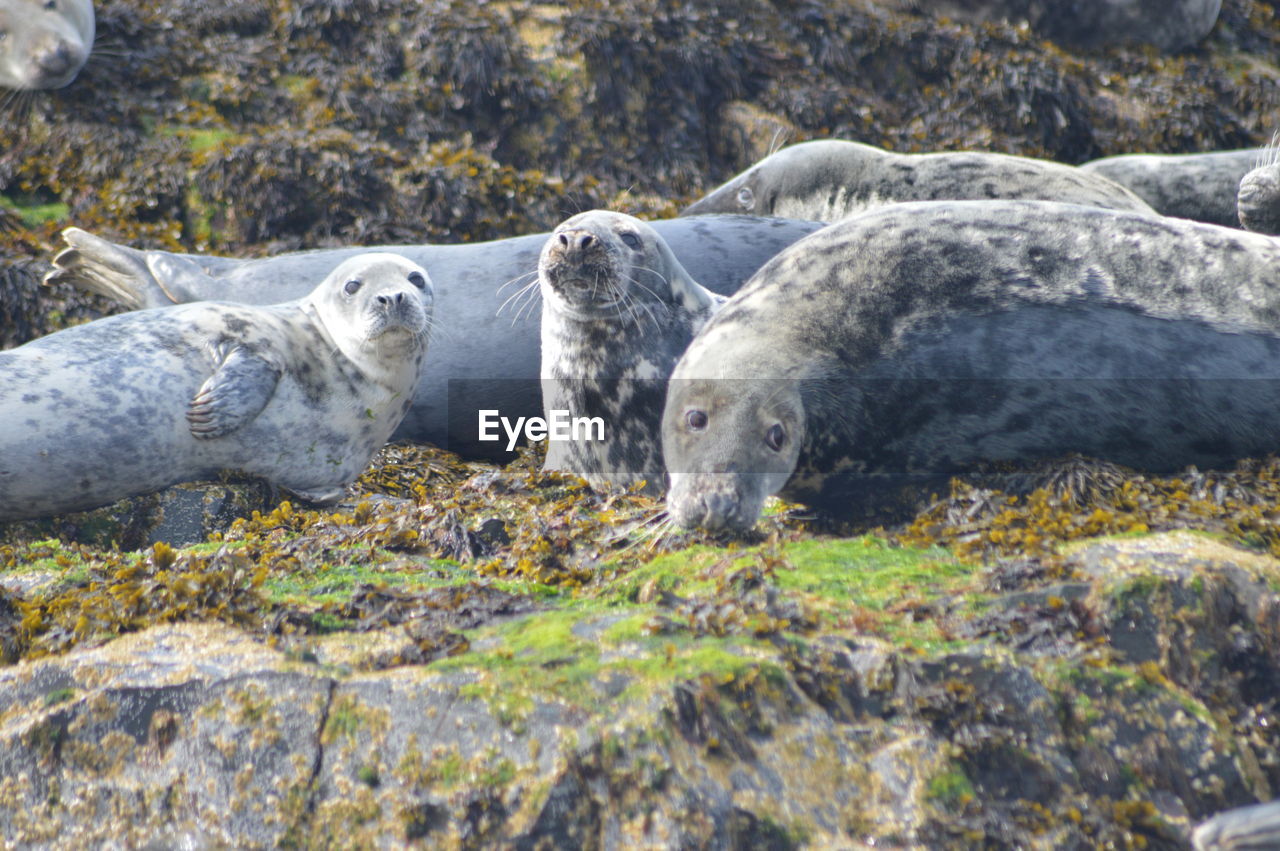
(301, 393)
(829, 179)
(486, 356)
(618, 310)
(45, 43)
(906, 344)
(1201, 187)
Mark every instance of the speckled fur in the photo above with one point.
(301, 393)
(909, 343)
(1200, 187)
(45, 43)
(828, 180)
(615, 318)
(486, 356)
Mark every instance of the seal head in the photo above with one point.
(44, 43)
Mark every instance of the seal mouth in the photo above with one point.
(392, 313)
(716, 502)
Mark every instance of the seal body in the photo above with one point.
(829, 179)
(486, 354)
(1165, 24)
(1201, 187)
(618, 310)
(905, 345)
(301, 393)
(45, 43)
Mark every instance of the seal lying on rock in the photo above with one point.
(907, 344)
(301, 394)
(829, 179)
(485, 359)
(1201, 187)
(44, 43)
(618, 310)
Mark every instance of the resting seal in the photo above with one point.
(910, 343)
(618, 310)
(828, 180)
(44, 43)
(1201, 187)
(301, 393)
(485, 357)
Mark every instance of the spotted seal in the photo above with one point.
(44, 43)
(1201, 187)
(909, 343)
(618, 310)
(829, 179)
(301, 393)
(485, 358)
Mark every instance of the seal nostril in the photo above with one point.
(586, 241)
(383, 300)
(564, 240)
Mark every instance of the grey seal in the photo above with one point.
(44, 43)
(618, 310)
(301, 394)
(486, 357)
(910, 343)
(1201, 187)
(1168, 25)
(829, 179)
(1258, 198)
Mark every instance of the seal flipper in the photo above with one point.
(320, 496)
(180, 279)
(104, 268)
(237, 391)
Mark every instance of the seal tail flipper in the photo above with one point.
(136, 279)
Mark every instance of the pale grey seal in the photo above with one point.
(301, 394)
(484, 358)
(828, 179)
(44, 43)
(912, 342)
(618, 310)
(1201, 187)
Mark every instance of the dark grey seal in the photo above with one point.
(485, 357)
(1201, 187)
(44, 43)
(829, 179)
(302, 394)
(618, 310)
(910, 343)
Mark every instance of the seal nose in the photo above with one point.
(576, 239)
(387, 300)
(58, 59)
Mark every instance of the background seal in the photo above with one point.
(907, 344)
(45, 42)
(301, 393)
(828, 179)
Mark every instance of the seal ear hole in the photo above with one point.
(631, 240)
(746, 198)
(776, 437)
(697, 420)
(351, 287)
(417, 280)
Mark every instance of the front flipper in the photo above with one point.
(237, 391)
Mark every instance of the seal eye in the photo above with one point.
(696, 419)
(632, 241)
(51, 4)
(776, 437)
(746, 198)
(351, 287)
(417, 280)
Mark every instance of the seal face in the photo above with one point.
(828, 180)
(1258, 199)
(902, 346)
(487, 357)
(301, 393)
(618, 311)
(44, 43)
